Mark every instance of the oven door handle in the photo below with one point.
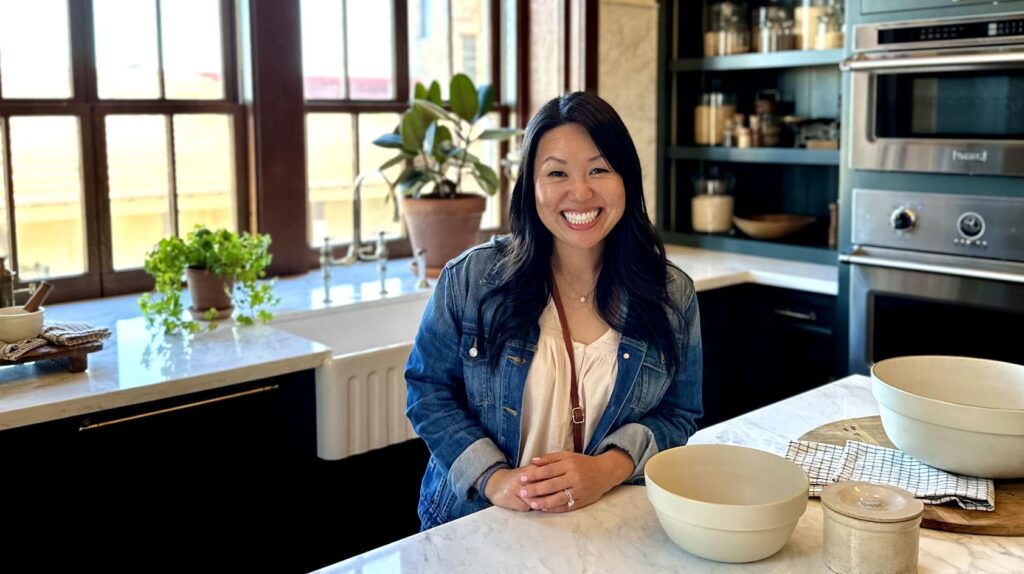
(858, 64)
(931, 268)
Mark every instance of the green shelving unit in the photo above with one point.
(757, 61)
(776, 155)
(768, 180)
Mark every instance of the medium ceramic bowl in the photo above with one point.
(726, 503)
(16, 324)
(959, 414)
(771, 226)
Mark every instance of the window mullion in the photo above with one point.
(451, 41)
(346, 50)
(9, 189)
(401, 42)
(172, 176)
(160, 49)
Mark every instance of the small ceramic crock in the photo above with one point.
(870, 528)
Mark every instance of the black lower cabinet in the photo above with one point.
(761, 345)
(227, 478)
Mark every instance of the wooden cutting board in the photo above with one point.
(75, 358)
(1006, 520)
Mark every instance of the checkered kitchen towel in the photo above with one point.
(71, 334)
(825, 463)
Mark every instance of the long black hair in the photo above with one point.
(633, 264)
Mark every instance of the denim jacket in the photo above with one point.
(468, 414)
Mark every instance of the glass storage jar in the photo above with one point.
(712, 203)
(773, 27)
(819, 24)
(726, 29)
(710, 116)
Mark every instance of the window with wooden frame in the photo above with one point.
(120, 124)
(361, 59)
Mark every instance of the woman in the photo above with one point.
(490, 380)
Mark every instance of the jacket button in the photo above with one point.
(625, 356)
(473, 352)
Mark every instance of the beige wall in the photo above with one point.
(627, 76)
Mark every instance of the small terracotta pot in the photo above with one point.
(444, 227)
(209, 291)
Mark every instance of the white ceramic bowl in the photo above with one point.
(726, 503)
(16, 324)
(959, 414)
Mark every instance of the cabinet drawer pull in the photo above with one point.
(87, 425)
(797, 315)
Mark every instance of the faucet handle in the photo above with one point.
(381, 251)
(421, 267)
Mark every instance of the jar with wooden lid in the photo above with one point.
(712, 204)
(869, 528)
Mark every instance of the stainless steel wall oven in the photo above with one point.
(935, 274)
(939, 96)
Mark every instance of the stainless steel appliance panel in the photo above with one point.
(952, 224)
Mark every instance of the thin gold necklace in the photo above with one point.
(582, 297)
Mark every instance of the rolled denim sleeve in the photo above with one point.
(673, 420)
(437, 405)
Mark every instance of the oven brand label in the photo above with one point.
(974, 156)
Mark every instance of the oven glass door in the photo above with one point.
(897, 312)
(950, 105)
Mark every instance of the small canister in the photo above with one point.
(870, 528)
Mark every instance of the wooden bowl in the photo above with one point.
(772, 226)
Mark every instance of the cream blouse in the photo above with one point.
(547, 408)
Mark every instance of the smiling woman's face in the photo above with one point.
(579, 197)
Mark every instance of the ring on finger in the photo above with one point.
(571, 501)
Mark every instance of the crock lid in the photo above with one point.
(871, 502)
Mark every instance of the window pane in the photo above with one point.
(192, 49)
(488, 152)
(471, 51)
(377, 215)
(5, 233)
(46, 167)
(323, 50)
(204, 167)
(127, 65)
(547, 35)
(329, 172)
(428, 43)
(139, 184)
(35, 58)
(509, 53)
(370, 31)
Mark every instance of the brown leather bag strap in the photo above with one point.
(578, 416)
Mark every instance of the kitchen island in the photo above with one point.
(621, 533)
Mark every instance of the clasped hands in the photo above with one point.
(542, 484)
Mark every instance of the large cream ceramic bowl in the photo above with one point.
(959, 414)
(16, 324)
(726, 503)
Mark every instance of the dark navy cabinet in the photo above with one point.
(762, 345)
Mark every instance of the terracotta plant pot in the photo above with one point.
(208, 291)
(444, 227)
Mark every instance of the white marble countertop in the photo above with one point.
(138, 365)
(715, 269)
(621, 533)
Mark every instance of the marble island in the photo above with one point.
(621, 533)
(138, 365)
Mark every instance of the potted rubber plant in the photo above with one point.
(223, 268)
(433, 142)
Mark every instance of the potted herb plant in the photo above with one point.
(223, 268)
(434, 144)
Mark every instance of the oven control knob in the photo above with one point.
(971, 225)
(903, 219)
